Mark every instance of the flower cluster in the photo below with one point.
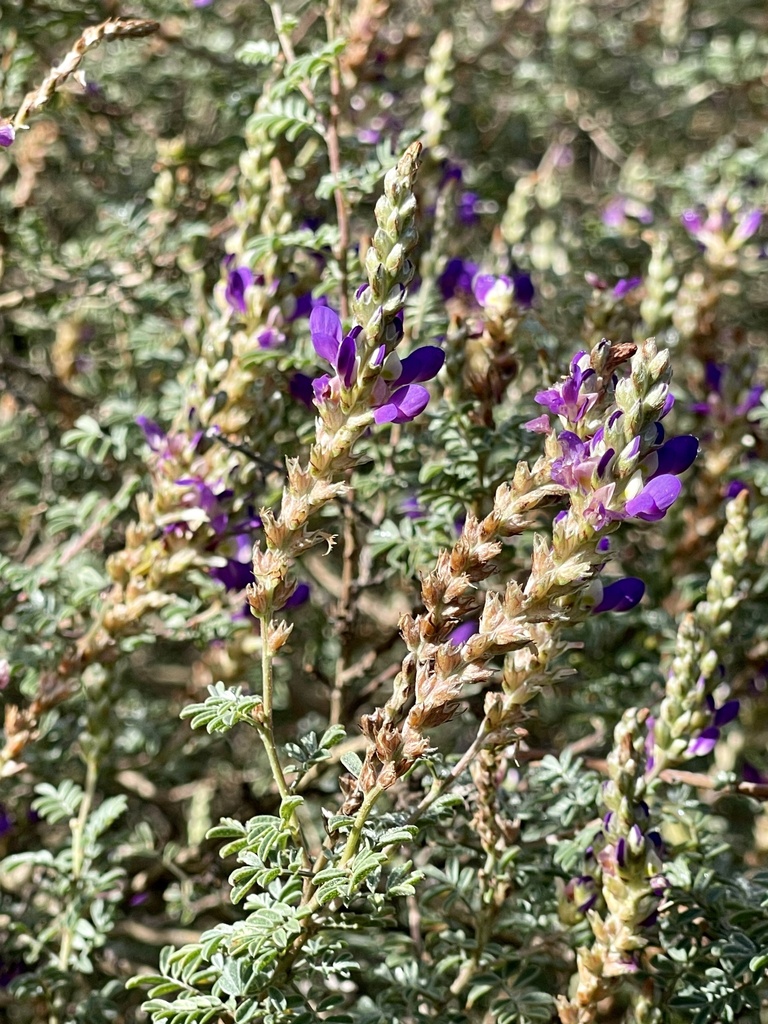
(397, 395)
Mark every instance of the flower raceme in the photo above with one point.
(397, 395)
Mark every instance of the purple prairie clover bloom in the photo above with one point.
(620, 596)
(238, 280)
(566, 399)
(7, 134)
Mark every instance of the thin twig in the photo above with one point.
(113, 28)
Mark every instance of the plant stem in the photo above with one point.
(266, 731)
(78, 857)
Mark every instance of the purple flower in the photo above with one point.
(6, 821)
(625, 285)
(397, 396)
(156, 437)
(298, 597)
(620, 596)
(238, 280)
(412, 507)
(462, 633)
(524, 291)
(692, 221)
(456, 278)
(674, 456)
(468, 208)
(734, 489)
(566, 399)
(705, 742)
(747, 225)
(403, 399)
(497, 294)
(716, 381)
(652, 502)
(7, 134)
(300, 388)
(325, 331)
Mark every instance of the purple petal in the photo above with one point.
(481, 285)
(691, 221)
(751, 401)
(625, 285)
(325, 330)
(7, 134)
(621, 595)
(421, 365)
(524, 290)
(734, 488)
(345, 361)
(154, 435)
(748, 225)
(655, 498)
(713, 375)
(298, 597)
(676, 455)
(300, 387)
(726, 713)
(456, 278)
(462, 633)
(237, 282)
(234, 575)
(704, 743)
(404, 405)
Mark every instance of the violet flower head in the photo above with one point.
(7, 134)
(238, 280)
(341, 352)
